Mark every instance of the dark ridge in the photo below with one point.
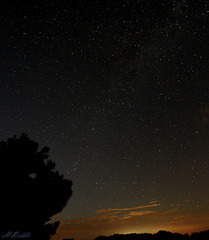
(161, 235)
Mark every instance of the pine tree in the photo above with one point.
(31, 190)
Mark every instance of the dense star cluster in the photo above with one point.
(119, 91)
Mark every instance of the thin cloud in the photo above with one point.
(152, 202)
(110, 222)
(140, 213)
(127, 209)
(137, 213)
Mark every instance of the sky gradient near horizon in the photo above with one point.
(119, 91)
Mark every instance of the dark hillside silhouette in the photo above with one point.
(161, 235)
(31, 191)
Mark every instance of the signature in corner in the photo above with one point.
(11, 234)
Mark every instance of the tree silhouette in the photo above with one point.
(161, 235)
(31, 191)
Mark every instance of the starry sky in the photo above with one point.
(119, 91)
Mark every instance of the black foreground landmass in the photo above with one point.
(32, 191)
(161, 235)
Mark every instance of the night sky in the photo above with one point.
(119, 91)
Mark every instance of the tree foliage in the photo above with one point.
(161, 235)
(31, 190)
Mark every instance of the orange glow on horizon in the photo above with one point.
(107, 222)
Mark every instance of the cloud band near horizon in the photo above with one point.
(131, 220)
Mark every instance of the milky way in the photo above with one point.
(119, 92)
